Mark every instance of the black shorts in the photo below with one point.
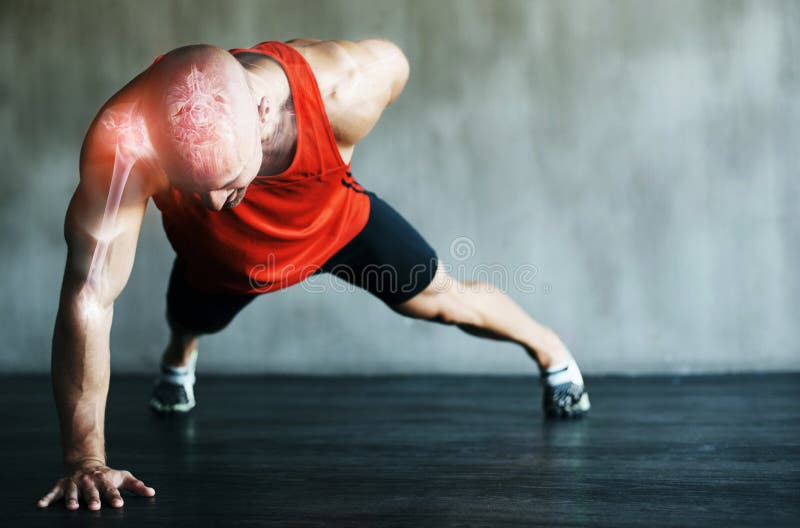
(388, 258)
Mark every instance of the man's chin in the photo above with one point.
(234, 203)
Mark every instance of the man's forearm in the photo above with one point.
(80, 375)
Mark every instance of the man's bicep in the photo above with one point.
(85, 235)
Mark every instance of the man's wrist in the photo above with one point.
(79, 462)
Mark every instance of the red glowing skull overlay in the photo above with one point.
(200, 124)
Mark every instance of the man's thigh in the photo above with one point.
(197, 312)
(388, 258)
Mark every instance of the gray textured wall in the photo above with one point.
(642, 155)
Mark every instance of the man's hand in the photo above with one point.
(91, 481)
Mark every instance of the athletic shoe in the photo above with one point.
(566, 400)
(169, 397)
(174, 389)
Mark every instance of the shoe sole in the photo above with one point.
(575, 410)
(159, 407)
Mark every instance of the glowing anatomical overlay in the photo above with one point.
(123, 127)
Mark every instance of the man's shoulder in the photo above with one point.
(123, 101)
(357, 81)
(120, 124)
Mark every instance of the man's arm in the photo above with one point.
(358, 81)
(80, 355)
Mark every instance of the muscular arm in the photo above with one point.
(358, 81)
(80, 354)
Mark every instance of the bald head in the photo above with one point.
(203, 118)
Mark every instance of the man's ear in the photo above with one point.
(263, 110)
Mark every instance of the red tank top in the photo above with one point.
(288, 224)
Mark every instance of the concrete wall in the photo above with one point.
(641, 155)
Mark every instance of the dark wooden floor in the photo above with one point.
(427, 451)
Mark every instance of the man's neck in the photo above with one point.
(278, 130)
(279, 141)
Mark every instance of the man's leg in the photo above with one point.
(182, 343)
(190, 314)
(482, 310)
(392, 261)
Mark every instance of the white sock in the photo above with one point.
(180, 375)
(567, 372)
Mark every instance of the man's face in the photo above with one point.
(230, 193)
(209, 132)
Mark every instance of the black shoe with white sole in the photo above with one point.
(174, 388)
(565, 395)
(567, 400)
(172, 398)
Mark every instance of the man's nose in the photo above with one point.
(215, 200)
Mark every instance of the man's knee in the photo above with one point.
(443, 301)
(196, 327)
(453, 310)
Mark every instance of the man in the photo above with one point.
(247, 153)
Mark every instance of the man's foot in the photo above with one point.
(567, 400)
(174, 388)
(565, 395)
